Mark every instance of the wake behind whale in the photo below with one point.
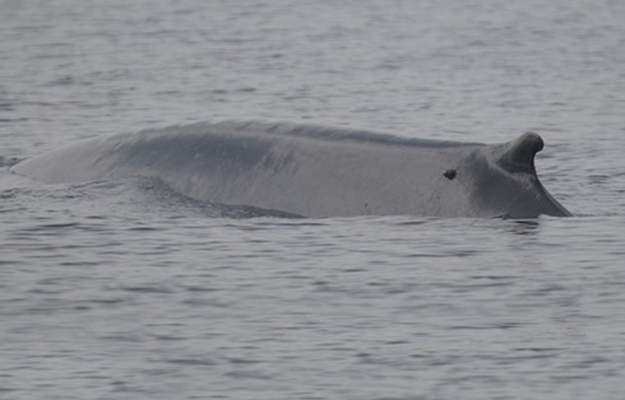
(315, 171)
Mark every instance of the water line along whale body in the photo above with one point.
(315, 171)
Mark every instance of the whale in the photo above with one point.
(314, 171)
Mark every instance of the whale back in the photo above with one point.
(314, 171)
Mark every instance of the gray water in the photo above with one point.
(126, 290)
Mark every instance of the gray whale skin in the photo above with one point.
(314, 171)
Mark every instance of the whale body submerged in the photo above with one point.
(315, 171)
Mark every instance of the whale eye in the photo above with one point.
(450, 174)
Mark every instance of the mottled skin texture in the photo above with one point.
(315, 171)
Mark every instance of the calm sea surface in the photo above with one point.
(127, 290)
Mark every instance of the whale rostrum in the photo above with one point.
(315, 171)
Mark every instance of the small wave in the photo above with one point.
(8, 161)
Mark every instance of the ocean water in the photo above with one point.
(127, 290)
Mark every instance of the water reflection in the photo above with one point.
(525, 226)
